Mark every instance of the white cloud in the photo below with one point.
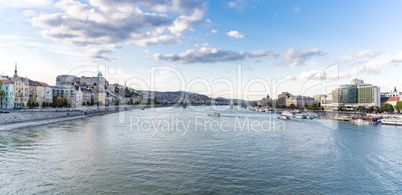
(97, 54)
(113, 23)
(214, 31)
(163, 39)
(310, 75)
(212, 55)
(297, 9)
(397, 59)
(205, 44)
(290, 78)
(186, 22)
(24, 3)
(236, 34)
(369, 54)
(295, 57)
(263, 53)
(29, 13)
(369, 69)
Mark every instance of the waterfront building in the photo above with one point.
(8, 101)
(264, 101)
(394, 93)
(391, 100)
(47, 93)
(21, 90)
(86, 95)
(99, 82)
(72, 94)
(318, 99)
(356, 94)
(345, 94)
(36, 92)
(299, 101)
(282, 98)
(368, 95)
(98, 96)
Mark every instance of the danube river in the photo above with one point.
(183, 151)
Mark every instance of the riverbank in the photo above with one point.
(36, 117)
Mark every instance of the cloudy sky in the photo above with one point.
(212, 47)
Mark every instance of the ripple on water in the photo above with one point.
(98, 155)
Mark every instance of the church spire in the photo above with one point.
(15, 72)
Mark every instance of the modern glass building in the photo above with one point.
(368, 95)
(345, 94)
(356, 94)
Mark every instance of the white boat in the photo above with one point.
(215, 114)
(283, 117)
(362, 122)
(309, 116)
(288, 114)
(392, 121)
(303, 116)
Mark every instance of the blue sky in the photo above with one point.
(304, 47)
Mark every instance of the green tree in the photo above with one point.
(254, 104)
(29, 104)
(275, 104)
(387, 108)
(292, 106)
(313, 106)
(269, 104)
(155, 101)
(361, 108)
(398, 106)
(2, 94)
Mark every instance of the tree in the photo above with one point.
(313, 106)
(29, 104)
(254, 104)
(2, 94)
(275, 104)
(387, 108)
(83, 103)
(269, 104)
(155, 101)
(292, 106)
(398, 106)
(361, 108)
(305, 105)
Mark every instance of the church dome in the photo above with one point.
(99, 74)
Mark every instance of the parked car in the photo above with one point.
(4, 111)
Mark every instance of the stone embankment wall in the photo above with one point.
(16, 117)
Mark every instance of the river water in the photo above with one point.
(184, 151)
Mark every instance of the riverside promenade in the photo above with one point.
(32, 117)
(41, 115)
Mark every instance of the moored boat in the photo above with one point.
(302, 116)
(288, 114)
(215, 114)
(283, 117)
(392, 121)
